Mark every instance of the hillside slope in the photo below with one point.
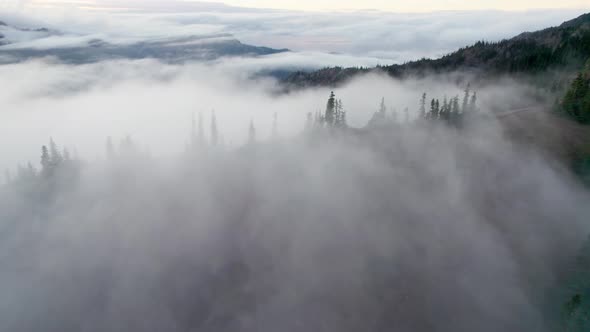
(566, 46)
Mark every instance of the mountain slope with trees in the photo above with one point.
(576, 102)
(563, 47)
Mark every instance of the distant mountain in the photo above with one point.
(565, 46)
(18, 44)
(10, 34)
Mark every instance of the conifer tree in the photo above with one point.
(432, 113)
(341, 115)
(55, 156)
(336, 113)
(473, 103)
(576, 102)
(382, 107)
(466, 98)
(455, 111)
(330, 110)
(46, 167)
(444, 112)
(422, 113)
(436, 109)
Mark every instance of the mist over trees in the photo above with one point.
(424, 219)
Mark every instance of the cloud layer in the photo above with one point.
(383, 37)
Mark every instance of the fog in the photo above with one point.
(411, 226)
(153, 102)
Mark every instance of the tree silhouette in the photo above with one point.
(46, 166)
(422, 113)
(54, 155)
(473, 103)
(466, 98)
(330, 110)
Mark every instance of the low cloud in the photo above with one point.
(412, 227)
(385, 37)
(153, 101)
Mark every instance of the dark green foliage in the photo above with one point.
(565, 46)
(334, 116)
(330, 109)
(576, 310)
(576, 102)
(422, 113)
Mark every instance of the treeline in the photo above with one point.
(55, 165)
(56, 162)
(564, 47)
(451, 111)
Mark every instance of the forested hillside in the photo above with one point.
(576, 102)
(564, 47)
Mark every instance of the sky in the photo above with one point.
(410, 6)
(330, 5)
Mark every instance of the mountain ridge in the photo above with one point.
(563, 46)
(169, 49)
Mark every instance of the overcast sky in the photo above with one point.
(412, 6)
(385, 5)
(370, 37)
